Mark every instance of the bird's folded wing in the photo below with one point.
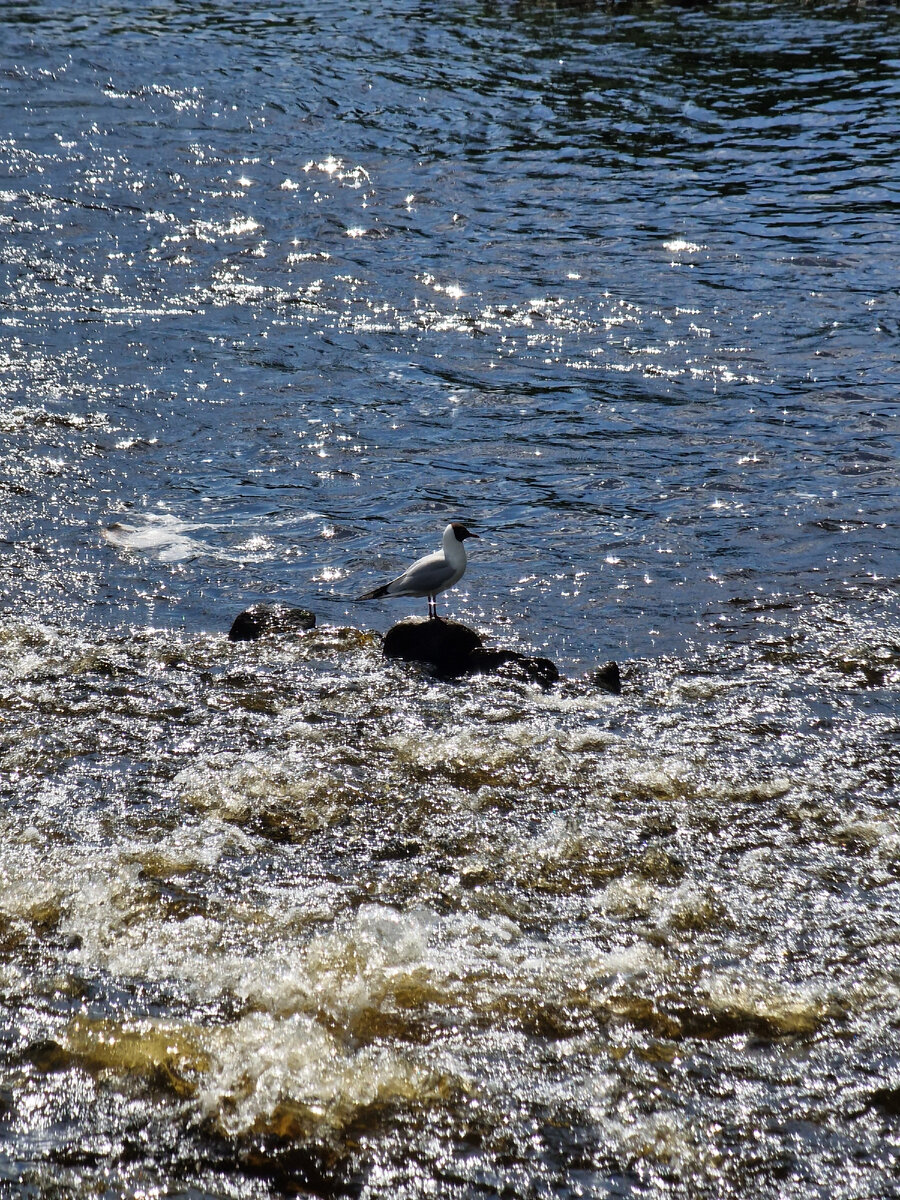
(430, 572)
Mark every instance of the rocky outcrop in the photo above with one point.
(453, 649)
(449, 648)
(260, 619)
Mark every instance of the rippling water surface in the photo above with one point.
(284, 290)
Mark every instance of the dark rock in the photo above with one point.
(446, 645)
(874, 676)
(48, 1056)
(885, 1098)
(513, 665)
(454, 649)
(260, 619)
(608, 678)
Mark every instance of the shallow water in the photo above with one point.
(284, 291)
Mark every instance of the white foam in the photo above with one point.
(163, 535)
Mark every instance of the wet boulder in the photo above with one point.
(608, 678)
(453, 649)
(529, 668)
(260, 619)
(444, 645)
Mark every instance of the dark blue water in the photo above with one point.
(619, 287)
(285, 289)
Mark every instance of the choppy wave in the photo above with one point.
(318, 901)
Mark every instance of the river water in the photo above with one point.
(287, 288)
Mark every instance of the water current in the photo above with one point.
(286, 288)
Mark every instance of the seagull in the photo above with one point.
(432, 574)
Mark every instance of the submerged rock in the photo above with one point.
(260, 619)
(454, 649)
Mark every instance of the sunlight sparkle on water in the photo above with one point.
(682, 246)
(287, 914)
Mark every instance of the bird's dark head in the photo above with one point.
(460, 532)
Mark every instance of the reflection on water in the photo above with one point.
(285, 291)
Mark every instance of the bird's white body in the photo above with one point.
(433, 574)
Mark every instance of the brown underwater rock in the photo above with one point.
(260, 619)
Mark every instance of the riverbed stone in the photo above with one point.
(261, 619)
(608, 678)
(453, 649)
(445, 645)
(530, 668)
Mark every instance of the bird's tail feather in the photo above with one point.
(373, 595)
